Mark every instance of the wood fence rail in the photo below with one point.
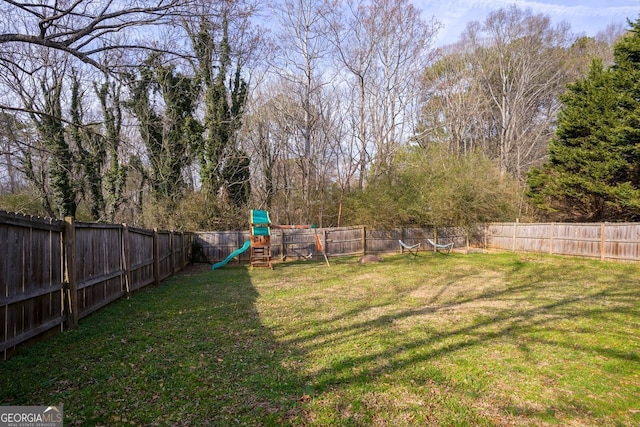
(53, 273)
(605, 241)
(287, 244)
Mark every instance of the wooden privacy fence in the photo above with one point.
(613, 241)
(53, 272)
(289, 244)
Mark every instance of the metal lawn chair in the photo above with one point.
(411, 249)
(439, 247)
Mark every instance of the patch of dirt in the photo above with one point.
(195, 268)
(367, 259)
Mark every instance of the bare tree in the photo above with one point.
(9, 128)
(44, 46)
(455, 108)
(403, 50)
(341, 165)
(385, 45)
(585, 50)
(265, 137)
(223, 43)
(518, 59)
(354, 45)
(302, 40)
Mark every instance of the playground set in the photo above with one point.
(259, 243)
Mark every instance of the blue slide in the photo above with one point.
(232, 255)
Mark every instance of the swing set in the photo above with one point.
(260, 243)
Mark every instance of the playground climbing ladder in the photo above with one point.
(260, 229)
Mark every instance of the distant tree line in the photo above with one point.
(186, 113)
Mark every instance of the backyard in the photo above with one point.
(480, 339)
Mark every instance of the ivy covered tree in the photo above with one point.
(593, 171)
(91, 152)
(225, 95)
(236, 175)
(51, 132)
(171, 134)
(109, 95)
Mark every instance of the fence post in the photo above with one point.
(324, 240)
(126, 262)
(70, 269)
(486, 235)
(172, 253)
(551, 235)
(364, 240)
(602, 241)
(156, 257)
(515, 234)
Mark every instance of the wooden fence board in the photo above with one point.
(297, 244)
(4, 324)
(501, 235)
(165, 248)
(343, 241)
(216, 246)
(30, 272)
(183, 250)
(577, 239)
(619, 241)
(622, 242)
(140, 258)
(413, 236)
(99, 265)
(381, 241)
(107, 262)
(594, 240)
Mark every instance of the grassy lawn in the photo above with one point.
(458, 340)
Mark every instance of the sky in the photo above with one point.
(585, 16)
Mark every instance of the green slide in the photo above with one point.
(232, 255)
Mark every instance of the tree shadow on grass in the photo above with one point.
(189, 352)
(538, 311)
(245, 364)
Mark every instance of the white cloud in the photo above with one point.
(585, 16)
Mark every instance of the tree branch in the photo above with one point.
(21, 38)
(76, 31)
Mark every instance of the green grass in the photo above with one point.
(459, 340)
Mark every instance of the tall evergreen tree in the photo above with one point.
(593, 171)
